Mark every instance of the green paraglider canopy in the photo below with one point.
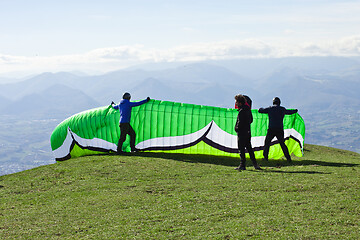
(170, 127)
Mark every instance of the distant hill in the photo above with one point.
(313, 93)
(39, 83)
(55, 101)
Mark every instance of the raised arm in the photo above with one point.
(115, 106)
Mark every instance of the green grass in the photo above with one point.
(174, 196)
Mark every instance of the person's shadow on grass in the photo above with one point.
(268, 166)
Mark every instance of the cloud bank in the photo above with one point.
(108, 59)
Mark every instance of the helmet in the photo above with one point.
(126, 95)
(276, 101)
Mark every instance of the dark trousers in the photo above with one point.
(244, 141)
(279, 134)
(126, 129)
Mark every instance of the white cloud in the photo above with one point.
(108, 59)
(349, 46)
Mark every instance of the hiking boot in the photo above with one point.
(135, 150)
(241, 167)
(257, 167)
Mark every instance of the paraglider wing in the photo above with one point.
(170, 126)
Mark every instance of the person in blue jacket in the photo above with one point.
(276, 126)
(124, 108)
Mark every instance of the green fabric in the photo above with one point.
(161, 119)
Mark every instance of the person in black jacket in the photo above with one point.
(276, 126)
(242, 128)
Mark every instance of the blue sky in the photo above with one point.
(105, 35)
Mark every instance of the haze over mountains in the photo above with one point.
(324, 89)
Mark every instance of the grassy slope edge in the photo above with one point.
(174, 196)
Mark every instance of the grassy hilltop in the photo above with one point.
(174, 196)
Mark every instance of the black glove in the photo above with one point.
(148, 99)
(112, 103)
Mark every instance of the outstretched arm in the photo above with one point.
(263, 110)
(135, 104)
(290, 111)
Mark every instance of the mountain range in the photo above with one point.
(324, 89)
(300, 82)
